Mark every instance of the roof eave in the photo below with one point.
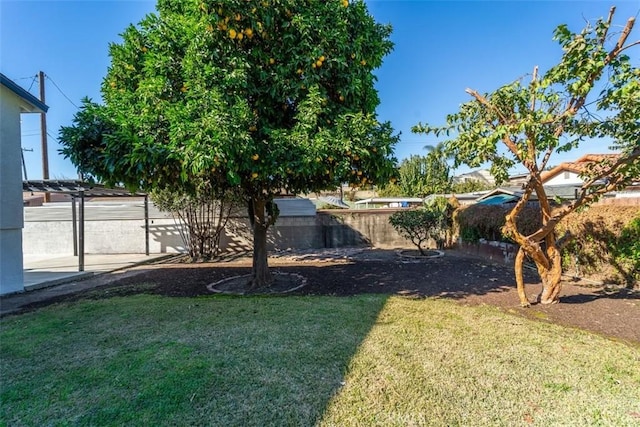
(37, 105)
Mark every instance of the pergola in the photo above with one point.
(81, 190)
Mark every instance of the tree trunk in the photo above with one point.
(260, 221)
(551, 277)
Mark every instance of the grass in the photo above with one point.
(366, 360)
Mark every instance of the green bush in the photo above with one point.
(627, 248)
(605, 244)
(477, 222)
(417, 225)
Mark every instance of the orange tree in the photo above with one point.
(593, 92)
(260, 96)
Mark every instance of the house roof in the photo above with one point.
(34, 104)
(499, 199)
(578, 166)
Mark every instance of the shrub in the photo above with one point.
(417, 225)
(486, 221)
(626, 251)
(605, 244)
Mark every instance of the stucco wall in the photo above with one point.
(11, 279)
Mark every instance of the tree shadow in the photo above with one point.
(614, 294)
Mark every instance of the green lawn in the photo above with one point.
(367, 360)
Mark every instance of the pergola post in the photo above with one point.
(146, 224)
(81, 234)
(75, 225)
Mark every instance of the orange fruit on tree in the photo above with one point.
(255, 157)
(232, 34)
(272, 61)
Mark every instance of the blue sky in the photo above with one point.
(441, 48)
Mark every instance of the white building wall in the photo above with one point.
(11, 276)
(564, 178)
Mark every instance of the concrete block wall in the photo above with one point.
(327, 229)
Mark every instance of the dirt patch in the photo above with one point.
(613, 312)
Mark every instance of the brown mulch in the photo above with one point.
(612, 312)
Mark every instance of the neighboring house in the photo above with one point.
(389, 202)
(517, 180)
(568, 173)
(502, 196)
(462, 198)
(482, 175)
(14, 100)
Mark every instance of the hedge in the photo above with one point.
(605, 246)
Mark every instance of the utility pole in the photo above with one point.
(43, 130)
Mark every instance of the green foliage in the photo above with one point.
(424, 175)
(444, 210)
(592, 93)
(391, 189)
(470, 186)
(627, 249)
(477, 222)
(524, 122)
(433, 221)
(84, 142)
(416, 225)
(604, 244)
(259, 95)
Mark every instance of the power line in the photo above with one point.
(23, 78)
(60, 90)
(32, 82)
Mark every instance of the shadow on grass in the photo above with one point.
(182, 361)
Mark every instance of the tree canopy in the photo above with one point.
(265, 96)
(592, 93)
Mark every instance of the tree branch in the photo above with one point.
(482, 100)
(576, 103)
(533, 95)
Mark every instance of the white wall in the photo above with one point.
(11, 277)
(560, 179)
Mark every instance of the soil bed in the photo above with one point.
(613, 312)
